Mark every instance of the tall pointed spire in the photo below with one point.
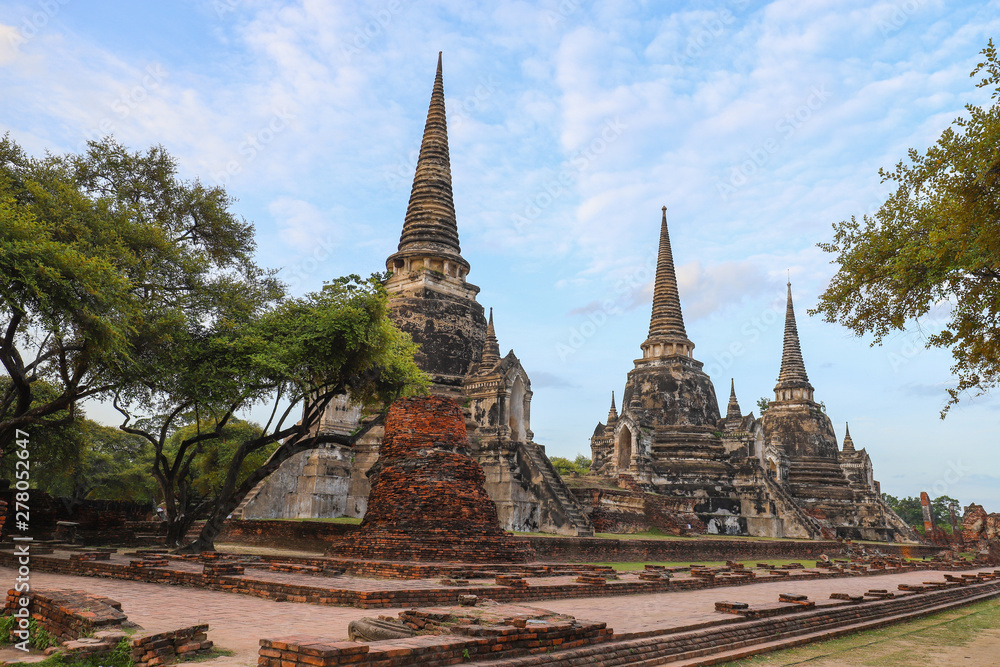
(491, 347)
(667, 335)
(613, 412)
(848, 442)
(733, 412)
(430, 223)
(667, 319)
(792, 375)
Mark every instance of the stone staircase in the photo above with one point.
(238, 513)
(540, 463)
(791, 508)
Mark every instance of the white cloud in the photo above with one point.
(710, 290)
(10, 37)
(300, 223)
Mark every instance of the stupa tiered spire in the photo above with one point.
(613, 412)
(430, 226)
(848, 442)
(793, 383)
(667, 335)
(491, 347)
(733, 412)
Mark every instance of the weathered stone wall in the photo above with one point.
(624, 511)
(301, 535)
(310, 484)
(92, 515)
(801, 430)
(978, 526)
(507, 484)
(449, 329)
(272, 499)
(599, 550)
(672, 390)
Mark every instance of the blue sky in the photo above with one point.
(571, 123)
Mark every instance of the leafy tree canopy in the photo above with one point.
(105, 257)
(580, 465)
(107, 464)
(935, 241)
(910, 510)
(296, 356)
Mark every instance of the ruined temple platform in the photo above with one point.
(647, 623)
(382, 584)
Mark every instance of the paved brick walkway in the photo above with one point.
(239, 621)
(642, 613)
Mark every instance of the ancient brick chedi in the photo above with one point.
(427, 499)
(778, 475)
(431, 299)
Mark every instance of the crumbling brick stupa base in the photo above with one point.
(427, 500)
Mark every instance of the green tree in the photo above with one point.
(908, 509)
(295, 356)
(934, 242)
(53, 442)
(580, 465)
(763, 404)
(104, 463)
(103, 256)
(941, 509)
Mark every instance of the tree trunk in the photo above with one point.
(177, 529)
(206, 538)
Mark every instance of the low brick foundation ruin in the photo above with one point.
(324, 589)
(741, 630)
(68, 614)
(459, 643)
(89, 624)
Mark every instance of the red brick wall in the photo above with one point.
(427, 500)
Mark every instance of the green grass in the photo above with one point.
(913, 643)
(119, 657)
(651, 534)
